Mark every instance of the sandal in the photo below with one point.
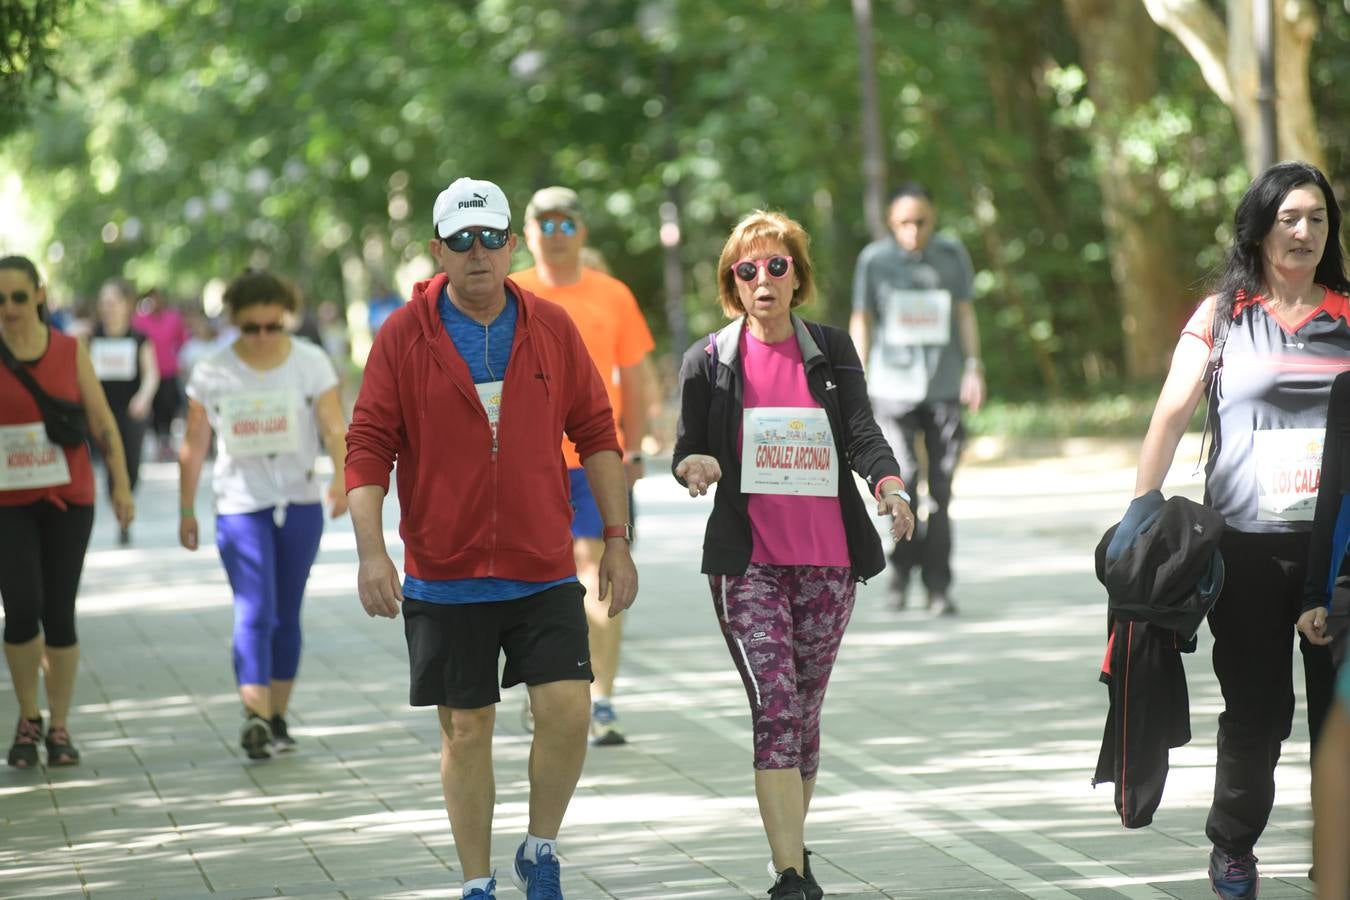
(60, 751)
(23, 753)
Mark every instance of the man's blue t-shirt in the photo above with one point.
(487, 351)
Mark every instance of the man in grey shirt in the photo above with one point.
(914, 324)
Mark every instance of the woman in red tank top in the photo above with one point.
(46, 510)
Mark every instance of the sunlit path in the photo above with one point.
(956, 760)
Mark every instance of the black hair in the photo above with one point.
(25, 265)
(254, 287)
(910, 189)
(1242, 272)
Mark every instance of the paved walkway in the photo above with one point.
(956, 760)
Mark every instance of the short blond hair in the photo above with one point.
(762, 226)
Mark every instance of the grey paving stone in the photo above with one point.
(955, 762)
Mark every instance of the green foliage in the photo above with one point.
(29, 39)
(199, 136)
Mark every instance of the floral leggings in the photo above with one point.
(783, 625)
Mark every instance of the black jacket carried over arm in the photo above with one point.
(711, 407)
(1163, 571)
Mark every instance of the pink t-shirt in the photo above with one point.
(788, 530)
(167, 332)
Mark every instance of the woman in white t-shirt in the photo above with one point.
(271, 401)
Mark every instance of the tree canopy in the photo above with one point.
(191, 138)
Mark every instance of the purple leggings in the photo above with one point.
(268, 566)
(783, 625)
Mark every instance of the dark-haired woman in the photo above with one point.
(124, 361)
(46, 510)
(1281, 311)
(273, 403)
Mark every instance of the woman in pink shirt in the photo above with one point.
(775, 408)
(163, 324)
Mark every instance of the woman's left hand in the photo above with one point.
(1313, 625)
(902, 517)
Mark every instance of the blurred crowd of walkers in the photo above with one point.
(514, 407)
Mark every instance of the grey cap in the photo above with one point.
(554, 199)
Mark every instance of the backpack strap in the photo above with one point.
(1218, 333)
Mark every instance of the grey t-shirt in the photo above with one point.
(911, 301)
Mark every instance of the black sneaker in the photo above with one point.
(124, 537)
(788, 886)
(282, 742)
(810, 888)
(255, 736)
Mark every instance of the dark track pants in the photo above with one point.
(1253, 628)
(944, 435)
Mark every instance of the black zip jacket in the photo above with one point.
(711, 407)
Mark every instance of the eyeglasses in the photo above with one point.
(776, 266)
(549, 227)
(490, 238)
(18, 298)
(256, 328)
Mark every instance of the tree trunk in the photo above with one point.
(1226, 54)
(874, 160)
(1119, 55)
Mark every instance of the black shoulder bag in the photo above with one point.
(66, 422)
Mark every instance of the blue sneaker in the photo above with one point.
(605, 726)
(480, 894)
(540, 879)
(1233, 877)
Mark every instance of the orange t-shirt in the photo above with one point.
(611, 325)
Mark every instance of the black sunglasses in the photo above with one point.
(255, 328)
(18, 298)
(490, 238)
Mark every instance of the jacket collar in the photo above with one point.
(426, 298)
(728, 341)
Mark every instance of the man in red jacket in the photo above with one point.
(470, 387)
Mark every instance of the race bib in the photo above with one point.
(788, 450)
(917, 317)
(114, 359)
(29, 460)
(490, 395)
(259, 423)
(1288, 470)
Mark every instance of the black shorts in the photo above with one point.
(453, 647)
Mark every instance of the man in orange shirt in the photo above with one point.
(613, 330)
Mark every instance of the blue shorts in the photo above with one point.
(586, 521)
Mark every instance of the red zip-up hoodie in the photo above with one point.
(472, 507)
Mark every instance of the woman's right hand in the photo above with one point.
(187, 532)
(699, 472)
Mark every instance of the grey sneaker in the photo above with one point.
(939, 604)
(1233, 876)
(255, 736)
